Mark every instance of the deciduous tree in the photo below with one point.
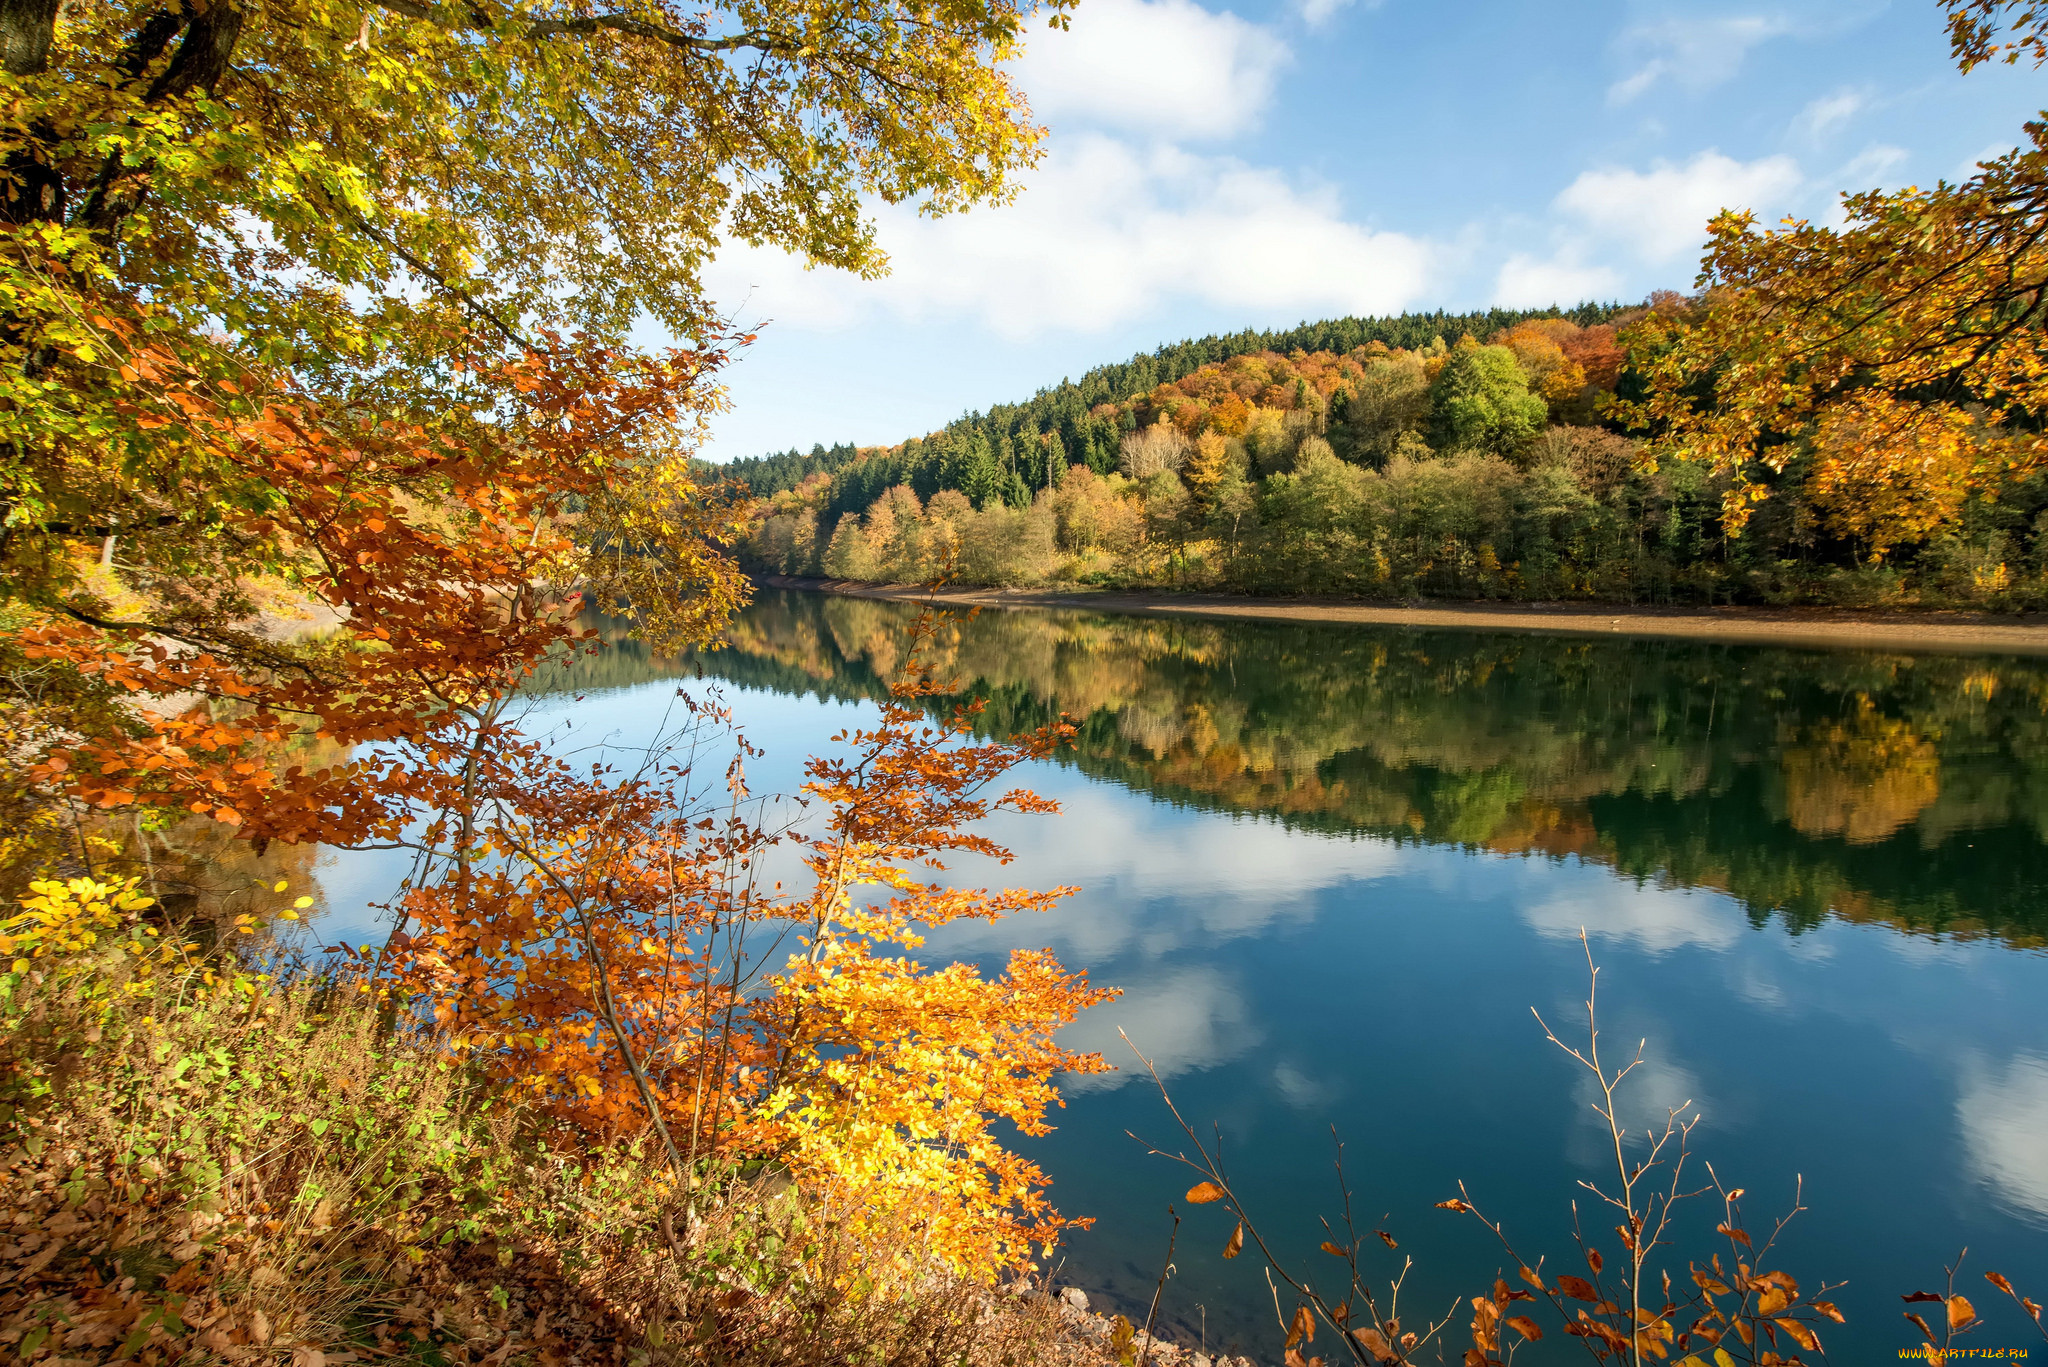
(1480, 401)
(1901, 351)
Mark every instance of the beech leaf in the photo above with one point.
(1808, 1340)
(1202, 1193)
(1578, 1288)
(1373, 1343)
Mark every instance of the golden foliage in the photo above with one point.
(1893, 362)
(1861, 779)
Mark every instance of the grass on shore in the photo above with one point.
(201, 1164)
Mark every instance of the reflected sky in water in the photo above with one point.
(1333, 888)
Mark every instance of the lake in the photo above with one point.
(1333, 869)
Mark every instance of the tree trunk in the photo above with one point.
(27, 28)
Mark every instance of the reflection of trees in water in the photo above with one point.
(1861, 778)
(617, 661)
(198, 872)
(1909, 789)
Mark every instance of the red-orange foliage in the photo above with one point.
(621, 951)
(1596, 350)
(605, 943)
(436, 553)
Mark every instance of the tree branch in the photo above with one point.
(753, 39)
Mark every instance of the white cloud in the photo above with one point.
(1657, 218)
(1993, 152)
(1107, 232)
(1661, 215)
(1656, 919)
(1527, 282)
(1829, 112)
(1166, 67)
(2003, 1114)
(1316, 13)
(1697, 53)
(1869, 167)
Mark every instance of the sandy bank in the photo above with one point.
(1823, 628)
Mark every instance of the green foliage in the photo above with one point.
(1392, 401)
(1480, 401)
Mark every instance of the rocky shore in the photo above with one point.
(1112, 1340)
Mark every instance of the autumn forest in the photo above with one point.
(1500, 456)
(453, 914)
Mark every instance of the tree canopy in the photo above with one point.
(1483, 401)
(1895, 361)
(376, 207)
(325, 308)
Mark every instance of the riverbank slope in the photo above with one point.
(1822, 628)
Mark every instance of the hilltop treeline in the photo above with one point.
(1458, 457)
(1007, 451)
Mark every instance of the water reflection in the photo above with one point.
(1333, 870)
(2002, 1109)
(1906, 789)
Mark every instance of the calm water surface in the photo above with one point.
(1334, 868)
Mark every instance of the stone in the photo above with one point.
(1075, 1297)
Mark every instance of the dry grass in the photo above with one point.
(267, 1174)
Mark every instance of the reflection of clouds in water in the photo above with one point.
(1810, 947)
(1146, 847)
(1925, 949)
(1756, 982)
(1656, 919)
(1182, 1019)
(1156, 880)
(1303, 1092)
(2003, 1114)
(1643, 1104)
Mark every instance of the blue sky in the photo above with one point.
(1211, 168)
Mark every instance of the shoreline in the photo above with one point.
(1808, 628)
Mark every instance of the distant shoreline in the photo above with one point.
(1811, 628)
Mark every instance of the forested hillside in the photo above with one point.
(1500, 455)
(1005, 450)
